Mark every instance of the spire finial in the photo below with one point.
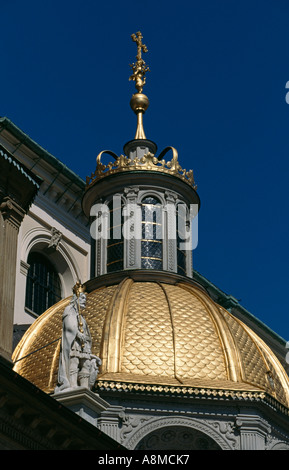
(139, 68)
(139, 102)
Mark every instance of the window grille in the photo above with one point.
(43, 285)
(152, 234)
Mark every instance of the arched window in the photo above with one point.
(43, 285)
(115, 238)
(152, 234)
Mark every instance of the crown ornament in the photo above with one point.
(148, 162)
(78, 288)
(139, 103)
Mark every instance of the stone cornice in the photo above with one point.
(60, 185)
(25, 141)
(249, 396)
(33, 420)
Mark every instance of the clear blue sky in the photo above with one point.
(217, 94)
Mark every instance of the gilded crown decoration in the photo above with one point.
(148, 162)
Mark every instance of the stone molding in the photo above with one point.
(161, 422)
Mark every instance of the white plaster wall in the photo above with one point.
(71, 258)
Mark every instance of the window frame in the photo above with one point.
(49, 290)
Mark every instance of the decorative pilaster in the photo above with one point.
(171, 240)
(109, 421)
(132, 229)
(99, 233)
(11, 216)
(253, 432)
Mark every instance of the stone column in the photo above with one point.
(253, 432)
(11, 216)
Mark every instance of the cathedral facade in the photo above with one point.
(180, 364)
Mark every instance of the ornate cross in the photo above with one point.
(139, 68)
(140, 46)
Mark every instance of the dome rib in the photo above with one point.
(112, 337)
(230, 351)
(255, 367)
(276, 369)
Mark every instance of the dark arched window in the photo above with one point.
(152, 234)
(115, 238)
(43, 284)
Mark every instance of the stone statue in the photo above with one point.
(77, 365)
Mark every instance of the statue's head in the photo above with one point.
(82, 299)
(79, 294)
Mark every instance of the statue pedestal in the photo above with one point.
(82, 401)
(91, 407)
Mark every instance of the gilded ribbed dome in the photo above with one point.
(164, 331)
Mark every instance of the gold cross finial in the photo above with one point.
(140, 46)
(139, 68)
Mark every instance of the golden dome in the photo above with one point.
(158, 332)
